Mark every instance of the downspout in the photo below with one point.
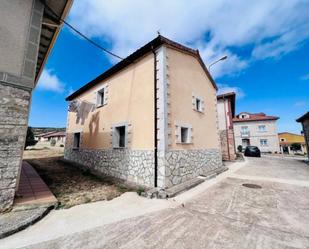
(227, 132)
(155, 120)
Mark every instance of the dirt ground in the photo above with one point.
(43, 152)
(70, 185)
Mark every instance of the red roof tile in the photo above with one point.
(255, 117)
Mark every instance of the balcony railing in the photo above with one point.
(245, 133)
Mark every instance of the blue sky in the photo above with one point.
(267, 48)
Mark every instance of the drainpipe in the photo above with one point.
(155, 120)
(227, 132)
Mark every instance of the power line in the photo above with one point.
(80, 33)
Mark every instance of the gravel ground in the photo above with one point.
(70, 185)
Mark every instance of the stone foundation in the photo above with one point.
(14, 105)
(138, 165)
(183, 165)
(130, 165)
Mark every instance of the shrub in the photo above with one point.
(30, 138)
(52, 142)
(140, 190)
(239, 148)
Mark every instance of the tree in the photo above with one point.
(295, 147)
(30, 141)
(239, 148)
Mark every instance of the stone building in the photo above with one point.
(27, 33)
(256, 129)
(226, 113)
(304, 120)
(151, 119)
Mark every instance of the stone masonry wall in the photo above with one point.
(130, 165)
(14, 105)
(225, 142)
(183, 165)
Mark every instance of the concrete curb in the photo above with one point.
(22, 220)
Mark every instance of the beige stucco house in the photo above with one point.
(151, 119)
(226, 113)
(256, 129)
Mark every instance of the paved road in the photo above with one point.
(227, 215)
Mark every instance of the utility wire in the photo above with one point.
(80, 33)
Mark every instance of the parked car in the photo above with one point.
(252, 151)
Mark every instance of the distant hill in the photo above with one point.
(40, 130)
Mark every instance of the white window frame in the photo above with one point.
(262, 130)
(195, 99)
(282, 139)
(76, 145)
(178, 128)
(99, 99)
(263, 143)
(115, 136)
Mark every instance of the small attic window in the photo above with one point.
(198, 104)
(100, 97)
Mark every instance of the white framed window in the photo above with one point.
(282, 139)
(183, 133)
(244, 128)
(76, 140)
(101, 97)
(198, 103)
(120, 136)
(262, 128)
(263, 142)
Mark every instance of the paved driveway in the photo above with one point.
(226, 215)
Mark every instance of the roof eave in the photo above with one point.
(65, 12)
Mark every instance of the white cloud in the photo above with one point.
(269, 28)
(224, 88)
(299, 103)
(49, 81)
(305, 77)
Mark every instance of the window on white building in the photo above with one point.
(263, 142)
(262, 128)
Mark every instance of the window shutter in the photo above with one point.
(105, 94)
(115, 138)
(177, 133)
(202, 105)
(96, 98)
(190, 135)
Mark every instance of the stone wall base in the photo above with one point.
(183, 165)
(130, 165)
(14, 106)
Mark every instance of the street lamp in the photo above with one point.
(221, 59)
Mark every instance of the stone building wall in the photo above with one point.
(183, 165)
(305, 124)
(14, 105)
(135, 166)
(227, 145)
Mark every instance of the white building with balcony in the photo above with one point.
(256, 129)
